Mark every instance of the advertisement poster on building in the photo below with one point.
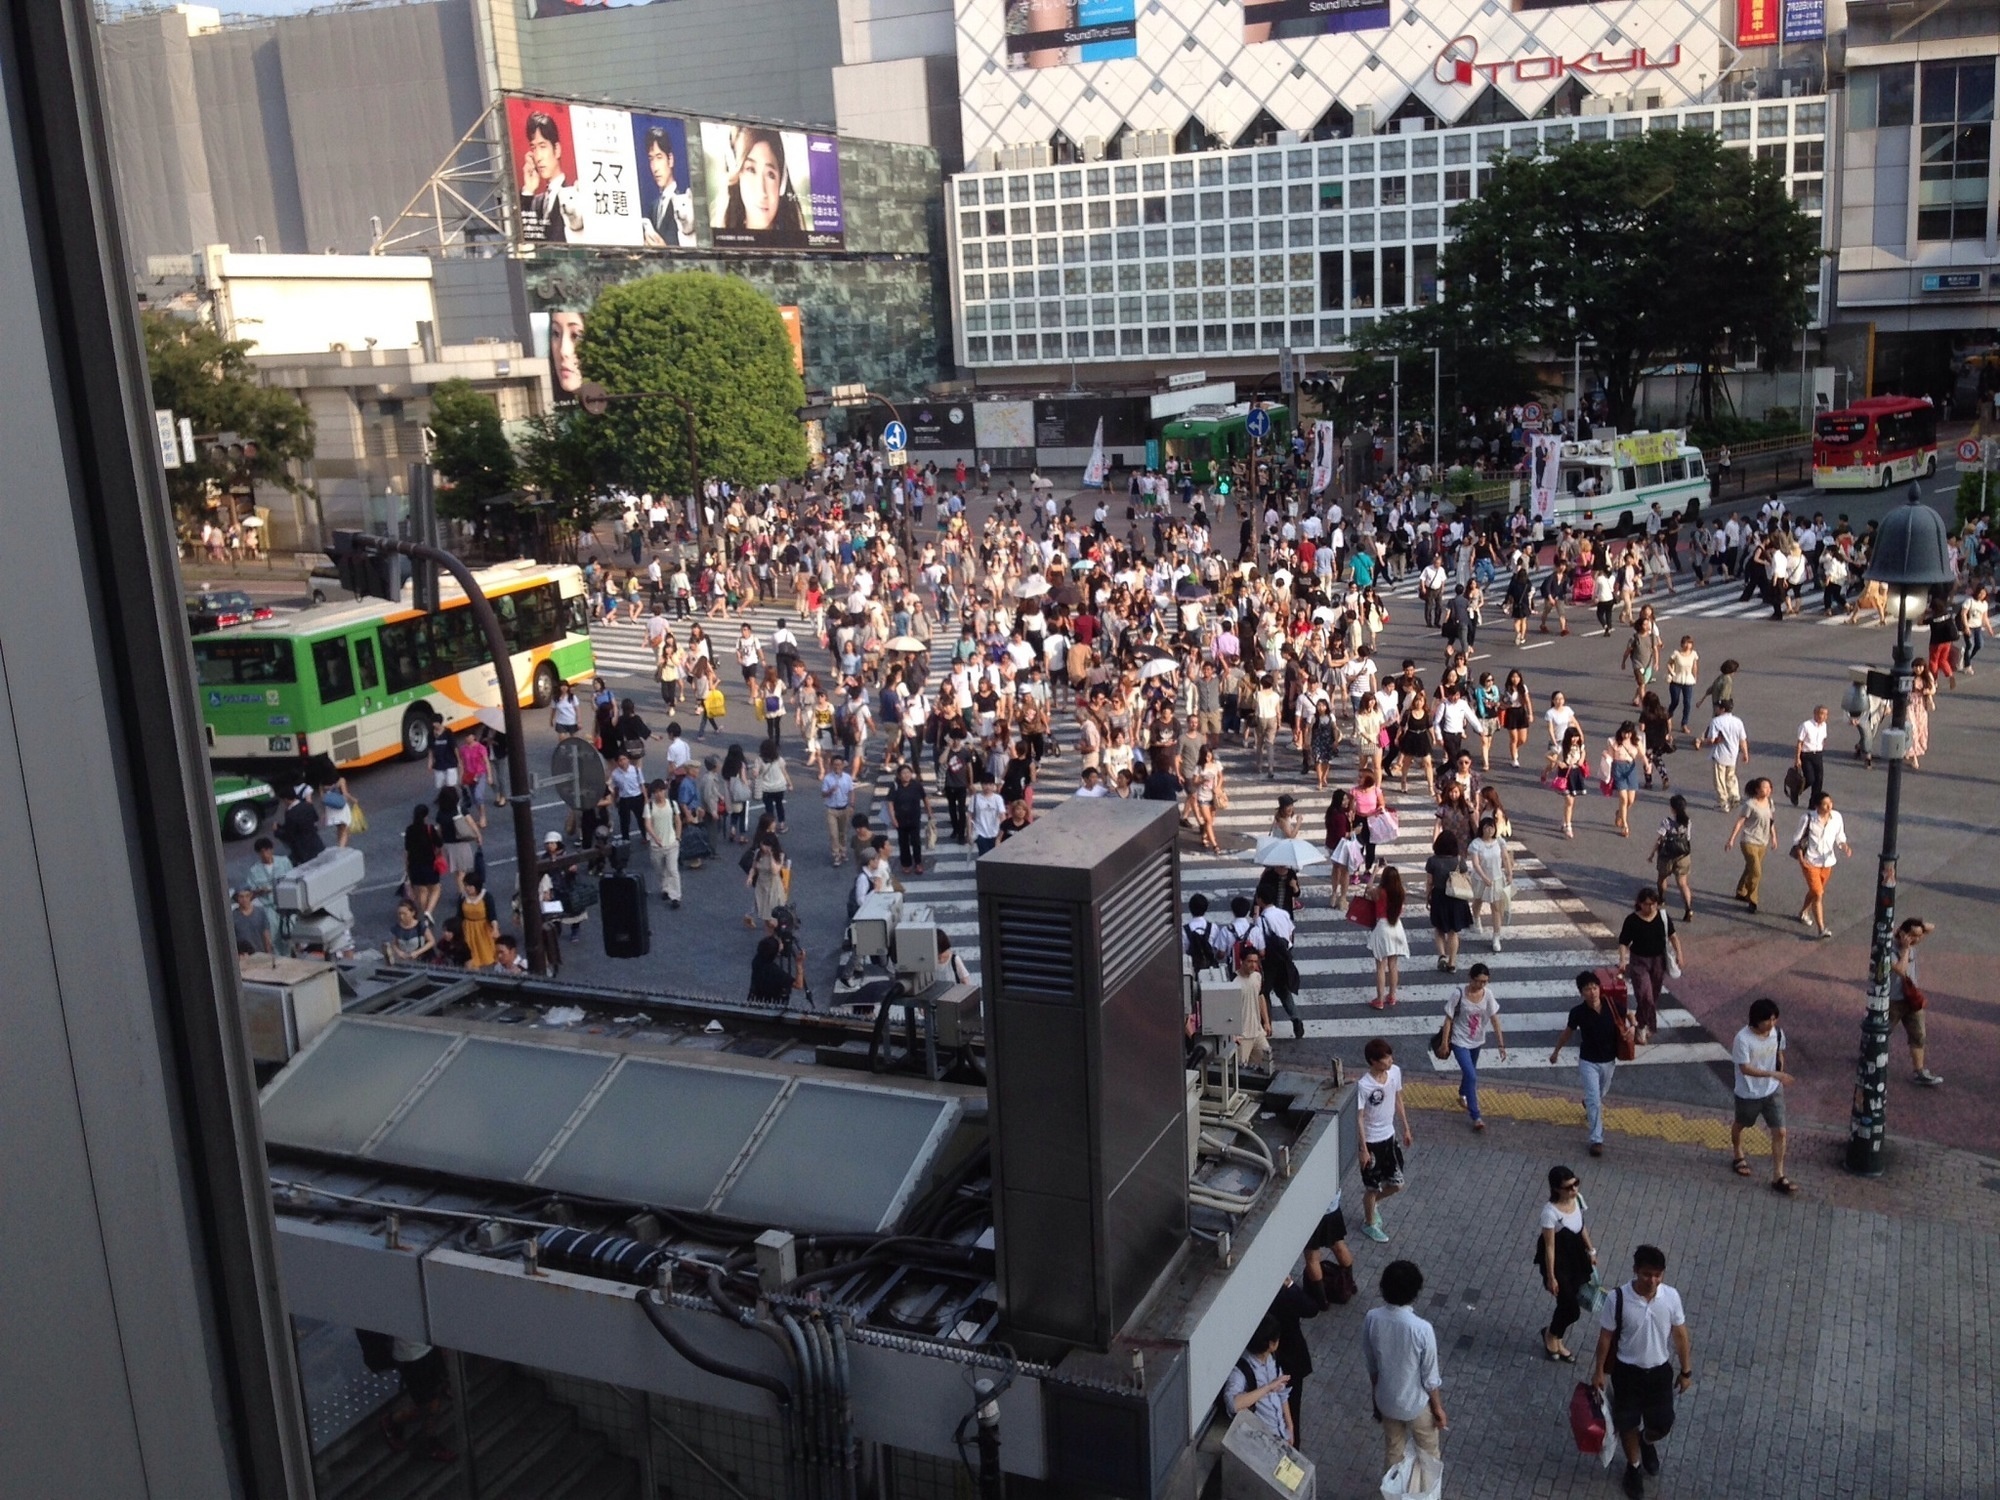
(1757, 23)
(795, 330)
(1062, 33)
(544, 9)
(1288, 20)
(772, 189)
(1804, 21)
(1325, 440)
(544, 170)
(939, 427)
(666, 199)
(577, 172)
(557, 336)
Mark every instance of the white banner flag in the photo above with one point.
(1323, 455)
(1546, 473)
(1093, 474)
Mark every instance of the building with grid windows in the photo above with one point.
(1226, 254)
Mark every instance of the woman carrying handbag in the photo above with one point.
(1566, 1258)
(1468, 1016)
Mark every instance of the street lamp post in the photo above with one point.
(1911, 555)
(1437, 410)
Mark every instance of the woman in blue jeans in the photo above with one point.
(1474, 1012)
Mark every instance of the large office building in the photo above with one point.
(1154, 186)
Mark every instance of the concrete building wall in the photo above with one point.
(299, 130)
(157, 148)
(376, 100)
(761, 59)
(247, 137)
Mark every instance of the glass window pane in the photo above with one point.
(1896, 95)
(494, 1109)
(356, 1076)
(1939, 85)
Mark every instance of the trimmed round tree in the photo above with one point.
(713, 342)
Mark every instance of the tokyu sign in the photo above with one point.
(1459, 62)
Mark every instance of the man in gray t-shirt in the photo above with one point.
(1256, 1384)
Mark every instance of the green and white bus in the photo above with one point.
(362, 682)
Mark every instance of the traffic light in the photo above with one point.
(423, 529)
(366, 572)
(1222, 486)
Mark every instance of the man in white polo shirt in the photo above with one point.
(1643, 1329)
(1810, 755)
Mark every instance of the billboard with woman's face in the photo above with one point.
(772, 189)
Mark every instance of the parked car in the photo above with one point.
(216, 609)
(242, 803)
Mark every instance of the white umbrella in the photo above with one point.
(1291, 854)
(904, 643)
(1031, 588)
(1159, 666)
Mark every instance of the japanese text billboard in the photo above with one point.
(770, 189)
(1757, 23)
(1060, 33)
(586, 175)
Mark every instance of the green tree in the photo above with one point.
(559, 461)
(708, 340)
(1663, 246)
(471, 454)
(199, 375)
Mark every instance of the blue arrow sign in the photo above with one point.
(1257, 423)
(895, 437)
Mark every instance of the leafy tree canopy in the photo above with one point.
(199, 375)
(714, 342)
(1660, 247)
(472, 454)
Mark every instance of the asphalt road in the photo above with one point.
(1949, 817)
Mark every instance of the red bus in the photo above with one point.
(1875, 443)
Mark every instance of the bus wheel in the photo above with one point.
(1930, 464)
(545, 684)
(417, 732)
(1888, 478)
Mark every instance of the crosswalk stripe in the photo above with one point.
(1406, 1020)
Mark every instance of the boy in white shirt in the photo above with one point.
(1759, 1055)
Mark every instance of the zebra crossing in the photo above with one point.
(1718, 599)
(1550, 936)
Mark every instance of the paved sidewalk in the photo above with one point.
(1841, 1338)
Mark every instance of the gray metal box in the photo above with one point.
(1084, 1029)
(1257, 1464)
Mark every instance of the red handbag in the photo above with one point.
(1361, 912)
(1586, 1420)
(1914, 998)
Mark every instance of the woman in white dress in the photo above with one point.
(1387, 941)
(1489, 864)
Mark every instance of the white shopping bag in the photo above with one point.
(1415, 1478)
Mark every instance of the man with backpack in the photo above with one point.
(1256, 1384)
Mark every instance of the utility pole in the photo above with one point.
(1395, 415)
(521, 803)
(1437, 413)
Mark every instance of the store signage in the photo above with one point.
(1757, 23)
(1187, 381)
(1805, 21)
(1648, 447)
(1458, 62)
(1952, 281)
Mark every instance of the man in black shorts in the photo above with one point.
(1642, 1329)
(1379, 1110)
(1329, 1244)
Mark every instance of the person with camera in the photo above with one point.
(774, 973)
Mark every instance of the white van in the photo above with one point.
(1615, 481)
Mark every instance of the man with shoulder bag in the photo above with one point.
(1643, 1331)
